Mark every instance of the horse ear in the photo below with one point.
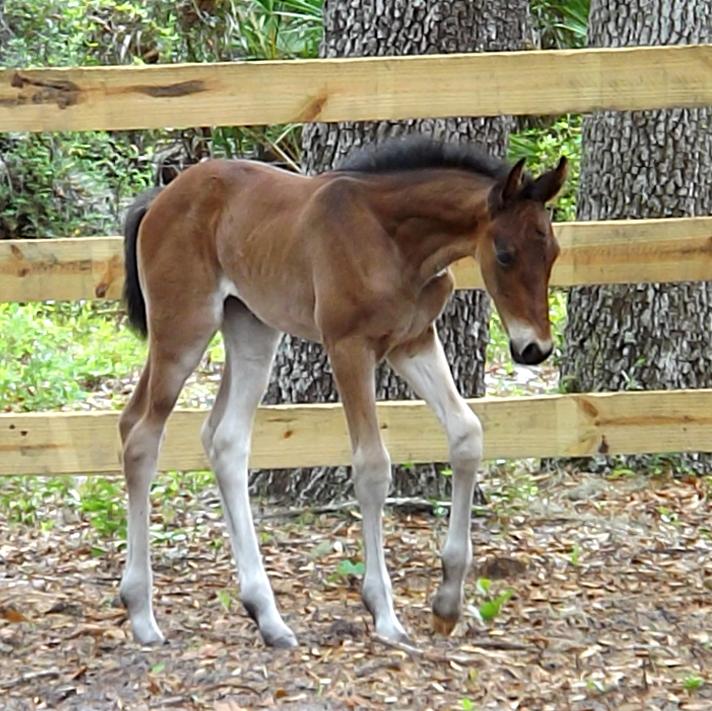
(514, 181)
(547, 186)
(505, 190)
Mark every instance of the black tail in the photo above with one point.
(133, 296)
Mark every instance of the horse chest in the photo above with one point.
(423, 309)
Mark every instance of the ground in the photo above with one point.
(611, 606)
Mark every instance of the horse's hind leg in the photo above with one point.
(173, 355)
(249, 350)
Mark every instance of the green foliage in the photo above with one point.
(347, 568)
(274, 30)
(78, 32)
(55, 355)
(562, 24)
(542, 147)
(24, 499)
(491, 606)
(60, 185)
(63, 185)
(692, 683)
(225, 599)
(101, 501)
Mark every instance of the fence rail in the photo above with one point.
(252, 93)
(309, 435)
(621, 251)
(541, 82)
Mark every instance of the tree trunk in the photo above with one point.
(397, 27)
(643, 164)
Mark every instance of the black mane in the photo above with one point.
(421, 152)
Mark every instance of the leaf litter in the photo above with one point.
(610, 607)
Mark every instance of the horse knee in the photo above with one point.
(372, 470)
(229, 450)
(466, 440)
(141, 446)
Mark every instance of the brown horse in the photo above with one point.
(356, 259)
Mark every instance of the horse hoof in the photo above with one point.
(150, 639)
(283, 642)
(443, 625)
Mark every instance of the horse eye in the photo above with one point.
(504, 258)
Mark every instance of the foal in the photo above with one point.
(356, 259)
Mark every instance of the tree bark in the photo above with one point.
(644, 164)
(379, 28)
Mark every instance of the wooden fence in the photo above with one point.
(553, 82)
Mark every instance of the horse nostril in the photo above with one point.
(533, 354)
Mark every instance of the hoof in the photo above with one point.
(285, 641)
(150, 639)
(278, 636)
(443, 625)
(396, 638)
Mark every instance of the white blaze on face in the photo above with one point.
(521, 335)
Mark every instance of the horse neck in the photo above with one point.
(436, 217)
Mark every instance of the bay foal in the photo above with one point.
(356, 259)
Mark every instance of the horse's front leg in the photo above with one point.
(353, 364)
(423, 365)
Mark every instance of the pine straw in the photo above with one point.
(612, 610)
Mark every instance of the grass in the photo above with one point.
(55, 354)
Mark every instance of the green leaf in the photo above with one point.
(490, 609)
(483, 585)
(692, 683)
(225, 599)
(346, 568)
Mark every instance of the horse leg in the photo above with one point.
(424, 366)
(353, 364)
(135, 406)
(172, 358)
(249, 349)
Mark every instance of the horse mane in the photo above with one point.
(419, 153)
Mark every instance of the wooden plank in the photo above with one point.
(308, 435)
(249, 93)
(623, 252)
(633, 251)
(61, 269)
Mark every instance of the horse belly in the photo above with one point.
(284, 309)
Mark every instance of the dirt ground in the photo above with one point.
(611, 609)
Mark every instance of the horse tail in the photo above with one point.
(132, 294)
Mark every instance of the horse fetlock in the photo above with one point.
(263, 610)
(378, 601)
(135, 590)
(456, 561)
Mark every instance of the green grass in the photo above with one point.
(58, 354)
